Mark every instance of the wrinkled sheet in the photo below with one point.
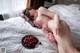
(13, 30)
(70, 14)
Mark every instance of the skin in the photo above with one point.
(44, 16)
(41, 23)
(55, 29)
(62, 35)
(27, 19)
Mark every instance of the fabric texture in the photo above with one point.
(71, 15)
(13, 30)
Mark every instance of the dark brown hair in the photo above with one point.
(27, 13)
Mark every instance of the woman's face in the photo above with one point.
(27, 18)
(32, 12)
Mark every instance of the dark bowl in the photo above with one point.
(29, 41)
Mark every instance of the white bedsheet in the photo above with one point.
(13, 30)
(70, 14)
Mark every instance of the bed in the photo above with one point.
(14, 29)
(70, 14)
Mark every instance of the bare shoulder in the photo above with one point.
(41, 9)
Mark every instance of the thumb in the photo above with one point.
(56, 20)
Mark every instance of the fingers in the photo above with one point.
(45, 30)
(51, 37)
(56, 21)
(56, 18)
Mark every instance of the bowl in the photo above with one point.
(29, 41)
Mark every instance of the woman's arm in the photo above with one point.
(62, 34)
(46, 12)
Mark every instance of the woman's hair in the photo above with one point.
(27, 13)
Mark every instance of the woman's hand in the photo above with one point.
(62, 35)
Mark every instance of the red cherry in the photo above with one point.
(28, 44)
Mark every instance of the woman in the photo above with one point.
(37, 18)
(57, 28)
